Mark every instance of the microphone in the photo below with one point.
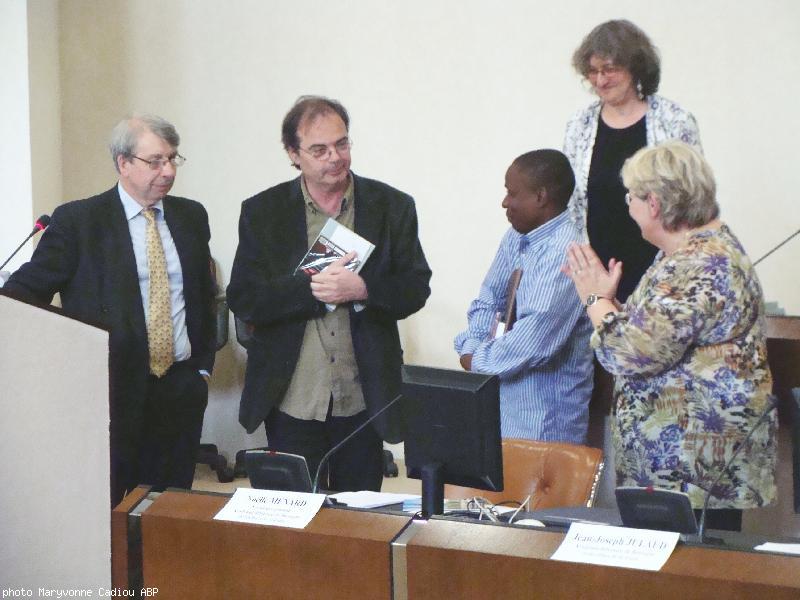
(701, 528)
(41, 224)
(330, 452)
(776, 247)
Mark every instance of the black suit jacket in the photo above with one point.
(265, 292)
(86, 254)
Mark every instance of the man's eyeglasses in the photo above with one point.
(322, 152)
(156, 164)
(607, 71)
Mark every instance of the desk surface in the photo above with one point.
(475, 560)
(350, 554)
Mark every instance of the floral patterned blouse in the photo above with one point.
(689, 353)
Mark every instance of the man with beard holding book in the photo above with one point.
(540, 347)
(315, 374)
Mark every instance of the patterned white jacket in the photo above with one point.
(664, 120)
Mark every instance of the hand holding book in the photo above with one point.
(333, 263)
(337, 283)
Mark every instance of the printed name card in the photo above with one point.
(268, 507)
(617, 546)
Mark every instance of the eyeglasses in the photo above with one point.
(322, 152)
(156, 164)
(629, 197)
(607, 71)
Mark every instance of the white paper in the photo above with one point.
(644, 549)
(776, 547)
(269, 507)
(368, 499)
(529, 523)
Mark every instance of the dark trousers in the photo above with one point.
(172, 421)
(358, 465)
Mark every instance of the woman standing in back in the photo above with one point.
(623, 68)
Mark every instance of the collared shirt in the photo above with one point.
(326, 369)
(545, 361)
(137, 225)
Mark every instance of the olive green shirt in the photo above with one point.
(326, 369)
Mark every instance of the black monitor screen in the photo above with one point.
(453, 430)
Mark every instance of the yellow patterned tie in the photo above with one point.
(159, 316)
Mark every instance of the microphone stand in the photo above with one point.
(40, 225)
(25, 241)
(346, 439)
(776, 247)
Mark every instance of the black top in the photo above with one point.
(612, 231)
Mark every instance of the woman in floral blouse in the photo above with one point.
(622, 67)
(688, 348)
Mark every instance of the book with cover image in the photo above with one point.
(504, 322)
(333, 242)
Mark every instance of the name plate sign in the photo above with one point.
(268, 507)
(644, 549)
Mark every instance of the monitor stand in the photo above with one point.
(432, 489)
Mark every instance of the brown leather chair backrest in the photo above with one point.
(556, 474)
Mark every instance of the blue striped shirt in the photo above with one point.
(545, 361)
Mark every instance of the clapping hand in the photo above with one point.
(588, 273)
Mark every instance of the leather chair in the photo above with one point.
(556, 474)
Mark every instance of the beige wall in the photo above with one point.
(45, 106)
(15, 148)
(442, 95)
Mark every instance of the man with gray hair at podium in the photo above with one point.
(137, 262)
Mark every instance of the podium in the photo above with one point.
(54, 503)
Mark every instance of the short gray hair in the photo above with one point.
(680, 179)
(126, 133)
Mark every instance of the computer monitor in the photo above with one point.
(453, 431)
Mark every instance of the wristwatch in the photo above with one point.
(593, 298)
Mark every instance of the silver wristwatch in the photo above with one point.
(593, 298)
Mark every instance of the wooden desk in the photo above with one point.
(350, 554)
(449, 559)
(126, 556)
(783, 351)
(187, 554)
